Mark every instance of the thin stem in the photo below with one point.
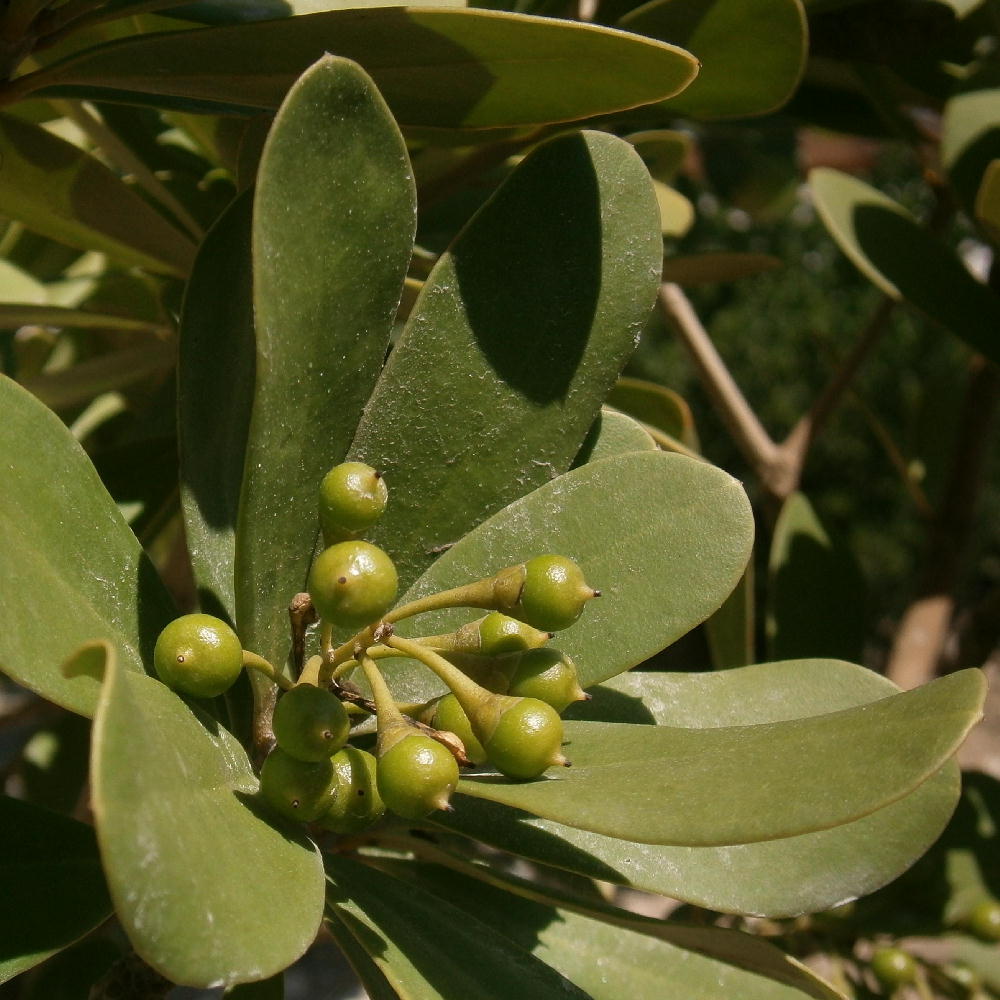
(385, 705)
(254, 662)
(748, 432)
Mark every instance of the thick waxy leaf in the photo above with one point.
(428, 948)
(628, 955)
(239, 11)
(816, 597)
(65, 194)
(737, 79)
(215, 378)
(875, 754)
(676, 211)
(905, 261)
(209, 890)
(970, 140)
(54, 889)
(730, 631)
(15, 314)
(612, 434)
(337, 922)
(664, 538)
(517, 335)
(334, 218)
(440, 68)
(783, 877)
(657, 406)
(72, 569)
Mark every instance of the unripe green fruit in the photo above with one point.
(553, 594)
(298, 789)
(352, 584)
(352, 497)
(984, 920)
(450, 716)
(416, 775)
(199, 655)
(500, 634)
(357, 804)
(310, 723)
(527, 739)
(548, 675)
(893, 968)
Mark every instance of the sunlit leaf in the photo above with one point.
(73, 571)
(62, 192)
(436, 67)
(613, 433)
(512, 344)
(334, 218)
(873, 755)
(904, 260)
(194, 868)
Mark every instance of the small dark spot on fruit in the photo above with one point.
(180, 658)
(341, 579)
(295, 803)
(361, 792)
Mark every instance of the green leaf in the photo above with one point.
(215, 370)
(15, 314)
(515, 339)
(766, 774)
(676, 211)
(54, 889)
(664, 538)
(730, 631)
(334, 219)
(987, 207)
(611, 434)
(340, 924)
(618, 953)
(816, 593)
(737, 79)
(662, 150)
(209, 891)
(657, 406)
(73, 570)
(440, 68)
(428, 948)
(905, 261)
(705, 268)
(782, 877)
(62, 192)
(970, 140)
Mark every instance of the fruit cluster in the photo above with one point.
(506, 687)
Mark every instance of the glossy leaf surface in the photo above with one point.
(665, 538)
(440, 68)
(816, 593)
(428, 948)
(970, 140)
(736, 79)
(334, 218)
(54, 889)
(905, 261)
(874, 755)
(72, 571)
(782, 877)
(513, 343)
(620, 952)
(192, 863)
(62, 192)
(215, 387)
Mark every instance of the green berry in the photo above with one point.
(199, 655)
(984, 920)
(893, 968)
(450, 717)
(548, 675)
(310, 723)
(298, 789)
(553, 594)
(358, 804)
(527, 739)
(500, 634)
(416, 775)
(352, 584)
(352, 497)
